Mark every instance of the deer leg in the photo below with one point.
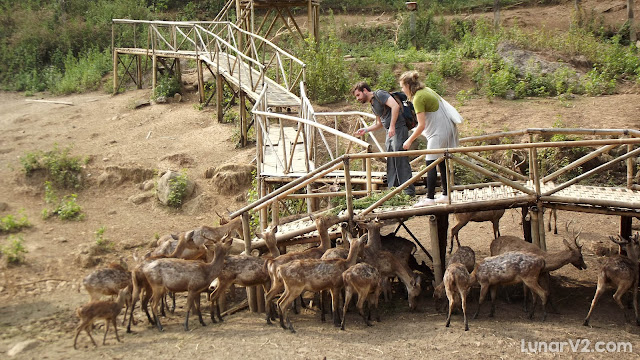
(275, 289)
(155, 302)
(283, 297)
(106, 330)
(115, 329)
(335, 304)
(197, 305)
(454, 233)
(622, 289)
(190, 301)
(483, 293)
(362, 297)
(86, 328)
(285, 307)
(599, 292)
(219, 291)
(635, 301)
(173, 300)
(347, 299)
(542, 293)
(463, 300)
(494, 290)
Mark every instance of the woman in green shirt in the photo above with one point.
(435, 124)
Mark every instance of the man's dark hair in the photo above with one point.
(360, 86)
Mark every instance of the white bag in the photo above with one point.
(451, 112)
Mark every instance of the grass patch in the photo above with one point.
(10, 223)
(61, 169)
(14, 251)
(65, 209)
(400, 199)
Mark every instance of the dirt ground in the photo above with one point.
(38, 299)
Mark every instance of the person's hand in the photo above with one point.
(407, 144)
(392, 132)
(360, 132)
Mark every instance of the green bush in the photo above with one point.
(327, 74)
(166, 87)
(82, 73)
(15, 250)
(102, 242)
(430, 34)
(449, 64)
(62, 169)
(66, 209)
(10, 223)
(177, 190)
(599, 83)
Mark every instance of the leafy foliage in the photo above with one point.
(167, 86)
(177, 190)
(62, 169)
(65, 209)
(327, 75)
(15, 250)
(10, 223)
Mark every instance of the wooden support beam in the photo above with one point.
(535, 226)
(251, 290)
(436, 248)
(219, 97)
(526, 224)
(625, 227)
(115, 72)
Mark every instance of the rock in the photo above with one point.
(22, 346)
(164, 189)
(161, 100)
(177, 97)
(141, 103)
(526, 61)
(141, 198)
(116, 175)
(232, 178)
(180, 159)
(208, 174)
(203, 203)
(4, 206)
(510, 95)
(86, 261)
(148, 185)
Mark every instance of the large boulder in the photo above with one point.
(117, 175)
(527, 61)
(164, 187)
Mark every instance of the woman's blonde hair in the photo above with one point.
(411, 79)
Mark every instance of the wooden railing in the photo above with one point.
(214, 41)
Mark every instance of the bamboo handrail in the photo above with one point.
(577, 163)
(494, 176)
(497, 166)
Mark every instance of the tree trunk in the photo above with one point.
(632, 29)
(496, 14)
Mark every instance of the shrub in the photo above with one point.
(10, 223)
(63, 170)
(177, 190)
(15, 250)
(66, 209)
(102, 242)
(166, 87)
(449, 64)
(599, 83)
(327, 75)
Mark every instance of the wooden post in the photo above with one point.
(219, 97)
(541, 233)
(526, 224)
(625, 226)
(115, 72)
(496, 14)
(251, 290)
(438, 264)
(630, 168)
(535, 227)
(139, 71)
(578, 7)
(262, 190)
(154, 74)
(632, 27)
(347, 187)
(200, 81)
(243, 118)
(368, 169)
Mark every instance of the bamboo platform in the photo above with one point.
(277, 96)
(605, 200)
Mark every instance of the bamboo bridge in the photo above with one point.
(296, 152)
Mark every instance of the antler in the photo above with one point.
(623, 241)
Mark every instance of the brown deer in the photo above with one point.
(622, 272)
(197, 238)
(323, 223)
(510, 268)
(101, 309)
(477, 216)
(457, 283)
(572, 254)
(365, 280)
(315, 275)
(467, 258)
(244, 270)
(178, 275)
(109, 281)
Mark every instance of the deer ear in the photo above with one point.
(566, 243)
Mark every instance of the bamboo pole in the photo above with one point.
(477, 186)
(591, 172)
(630, 168)
(139, 71)
(367, 163)
(115, 71)
(435, 249)
(596, 210)
(302, 181)
(578, 162)
(587, 201)
(323, 195)
(349, 196)
(400, 188)
(449, 171)
(535, 226)
(500, 178)
(288, 179)
(497, 166)
(251, 290)
(541, 233)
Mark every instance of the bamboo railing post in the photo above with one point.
(243, 117)
(115, 71)
(138, 71)
(219, 95)
(449, 171)
(535, 226)
(526, 224)
(246, 229)
(438, 266)
(347, 187)
(541, 233)
(262, 191)
(367, 163)
(625, 227)
(630, 168)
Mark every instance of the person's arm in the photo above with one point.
(422, 121)
(395, 110)
(377, 125)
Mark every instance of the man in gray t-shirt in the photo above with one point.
(387, 112)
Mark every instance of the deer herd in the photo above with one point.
(210, 260)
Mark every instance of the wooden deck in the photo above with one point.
(606, 200)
